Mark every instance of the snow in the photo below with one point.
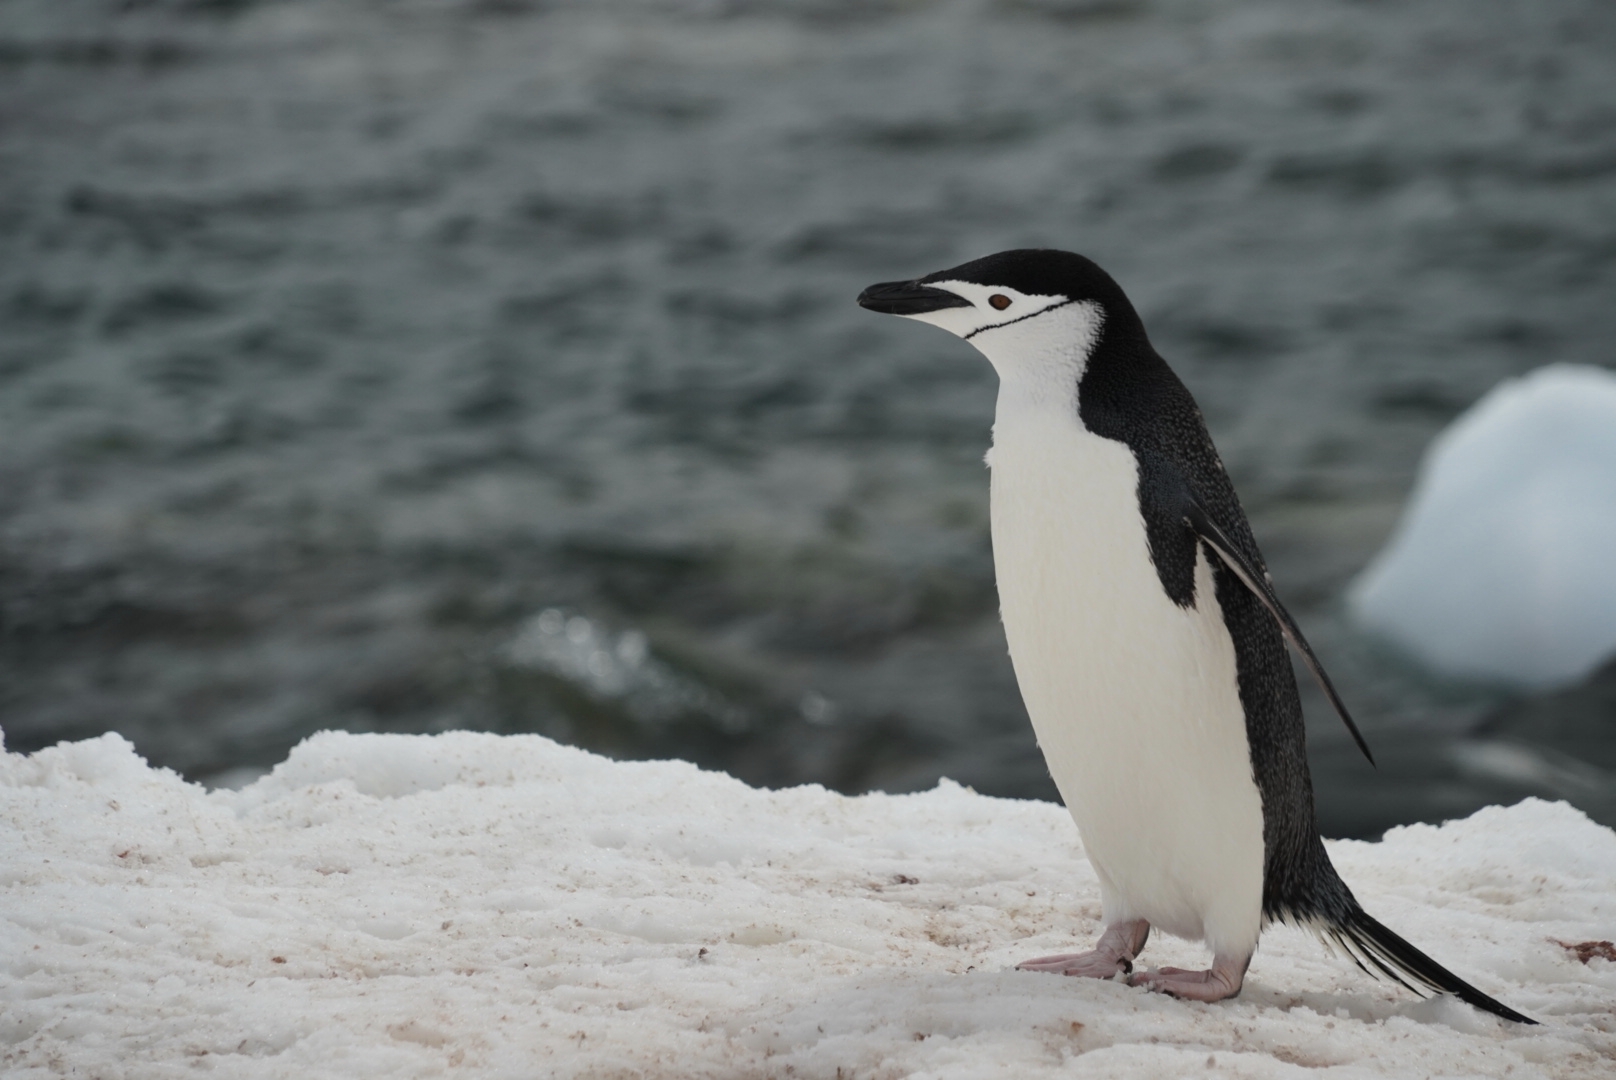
(477, 905)
(1501, 568)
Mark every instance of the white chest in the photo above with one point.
(1134, 700)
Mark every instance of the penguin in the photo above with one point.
(1146, 636)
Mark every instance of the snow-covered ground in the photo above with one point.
(476, 905)
(1501, 568)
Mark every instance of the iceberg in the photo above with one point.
(1503, 568)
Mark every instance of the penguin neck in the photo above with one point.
(1040, 364)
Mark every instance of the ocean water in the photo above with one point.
(419, 365)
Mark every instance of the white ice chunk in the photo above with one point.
(1503, 568)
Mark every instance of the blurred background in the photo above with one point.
(406, 365)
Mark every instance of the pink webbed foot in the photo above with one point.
(1090, 965)
(1222, 980)
(1111, 955)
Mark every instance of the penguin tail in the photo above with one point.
(1379, 951)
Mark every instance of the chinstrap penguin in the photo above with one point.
(1146, 637)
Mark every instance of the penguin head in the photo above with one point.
(1012, 305)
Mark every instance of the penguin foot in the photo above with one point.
(1222, 980)
(1112, 955)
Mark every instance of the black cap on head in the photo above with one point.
(1061, 277)
(1037, 272)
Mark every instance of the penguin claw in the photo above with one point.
(1089, 965)
(1112, 955)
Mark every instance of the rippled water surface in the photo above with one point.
(413, 365)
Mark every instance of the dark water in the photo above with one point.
(414, 365)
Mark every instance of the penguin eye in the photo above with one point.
(999, 301)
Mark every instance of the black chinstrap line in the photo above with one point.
(1023, 318)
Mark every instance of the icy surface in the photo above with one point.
(476, 905)
(1502, 567)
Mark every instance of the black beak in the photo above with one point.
(908, 298)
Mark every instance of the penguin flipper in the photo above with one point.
(1201, 523)
(1374, 947)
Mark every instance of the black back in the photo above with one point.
(1128, 393)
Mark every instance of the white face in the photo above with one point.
(992, 307)
(1022, 334)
